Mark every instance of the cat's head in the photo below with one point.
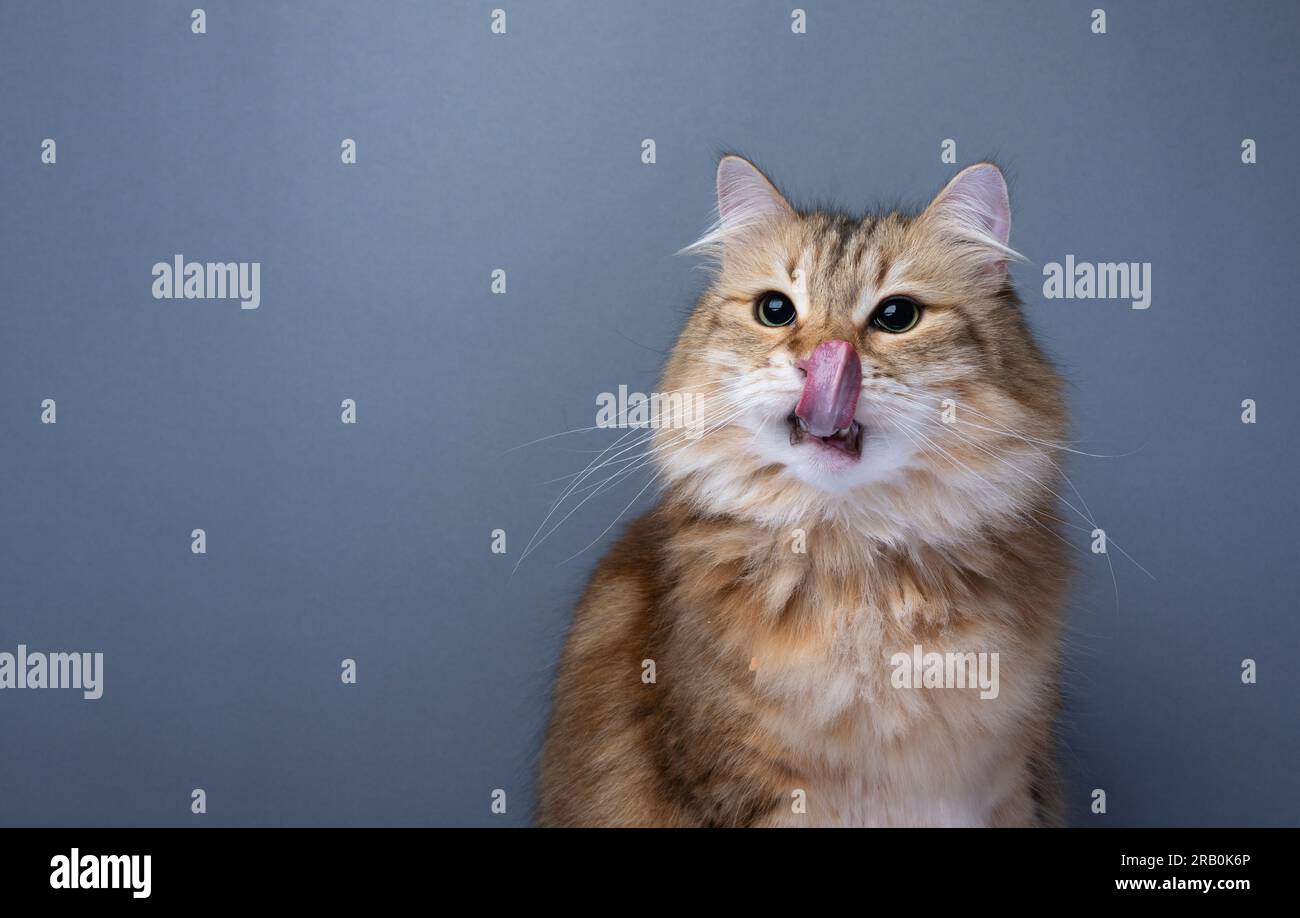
(876, 370)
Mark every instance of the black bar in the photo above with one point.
(365, 866)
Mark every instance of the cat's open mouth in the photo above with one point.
(847, 440)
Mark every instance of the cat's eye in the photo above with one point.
(897, 314)
(774, 309)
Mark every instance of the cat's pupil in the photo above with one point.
(775, 309)
(897, 315)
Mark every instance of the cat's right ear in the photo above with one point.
(746, 199)
(745, 195)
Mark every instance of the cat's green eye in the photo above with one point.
(896, 315)
(774, 309)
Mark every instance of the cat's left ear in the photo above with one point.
(973, 208)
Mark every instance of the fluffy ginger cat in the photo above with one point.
(872, 484)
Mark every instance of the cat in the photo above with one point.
(875, 475)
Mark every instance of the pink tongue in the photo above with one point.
(830, 394)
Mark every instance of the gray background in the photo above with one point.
(523, 152)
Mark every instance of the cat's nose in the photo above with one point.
(832, 384)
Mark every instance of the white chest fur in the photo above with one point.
(868, 748)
